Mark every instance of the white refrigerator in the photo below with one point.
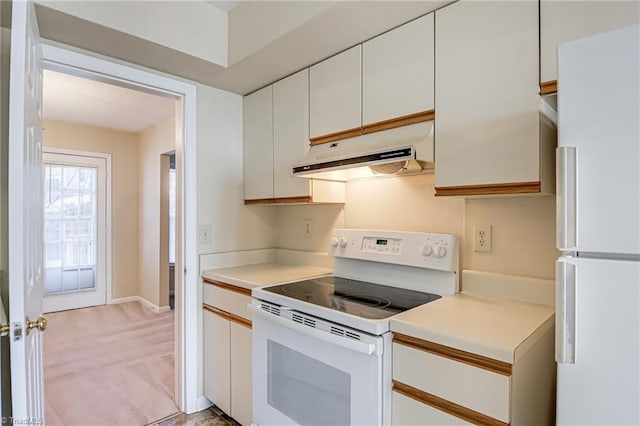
(598, 230)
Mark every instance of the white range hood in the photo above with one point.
(400, 151)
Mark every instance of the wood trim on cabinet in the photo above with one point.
(548, 87)
(475, 360)
(281, 200)
(392, 123)
(448, 407)
(404, 120)
(332, 137)
(490, 189)
(228, 316)
(226, 286)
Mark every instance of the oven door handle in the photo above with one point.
(347, 343)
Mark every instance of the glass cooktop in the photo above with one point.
(363, 299)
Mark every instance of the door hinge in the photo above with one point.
(17, 331)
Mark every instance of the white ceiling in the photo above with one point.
(295, 43)
(225, 5)
(80, 100)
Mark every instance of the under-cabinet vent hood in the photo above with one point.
(400, 151)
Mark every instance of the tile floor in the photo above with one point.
(212, 416)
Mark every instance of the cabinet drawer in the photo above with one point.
(409, 412)
(474, 388)
(227, 300)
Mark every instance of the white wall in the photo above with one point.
(523, 227)
(523, 240)
(291, 226)
(404, 204)
(234, 226)
(153, 142)
(253, 25)
(193, 27)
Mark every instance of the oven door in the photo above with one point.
(308, 371)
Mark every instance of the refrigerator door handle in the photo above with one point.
(565, 312)
(566, 198)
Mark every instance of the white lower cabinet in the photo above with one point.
(227, 351)
(435, 384)
(480, 390)
(217, 375)
(409, 412)
(240, 338)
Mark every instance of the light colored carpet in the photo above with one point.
(109, 365)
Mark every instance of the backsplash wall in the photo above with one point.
(402, 204)
(523, 227)
(523, 240)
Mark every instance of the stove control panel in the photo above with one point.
(424, 250)
(381, 245)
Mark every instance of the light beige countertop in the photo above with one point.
(256, 275)
(491, 327)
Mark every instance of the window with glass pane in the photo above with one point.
(70, 228)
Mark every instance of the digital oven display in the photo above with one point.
(381, 242)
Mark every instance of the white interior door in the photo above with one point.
(25, 216)
(75, 187)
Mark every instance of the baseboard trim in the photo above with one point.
(155, 308)
(124, 300)
(202, 403)
(143, 301)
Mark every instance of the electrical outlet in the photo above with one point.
(482, 238)
(204, 234)
(308, 227)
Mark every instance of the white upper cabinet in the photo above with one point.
(258, 144)
(291, 133)
(335, 94)
(489, 136)
(276, 136)
(397, 72)
(562, 21)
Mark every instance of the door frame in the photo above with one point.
(186, 325)
(107, 207)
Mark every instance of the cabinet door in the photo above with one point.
(290, 133)
(217, 377)
(486, 94)
(335, 94)
(397, 72)
(562, 21)
(241, 389)
(409, 412)
(258, 144)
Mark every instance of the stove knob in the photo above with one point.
(440, 251)
(426, 250)
(334, 242)
(343, 242)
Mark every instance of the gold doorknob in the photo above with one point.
(40, 324)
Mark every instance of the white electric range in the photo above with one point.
(322, 347)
